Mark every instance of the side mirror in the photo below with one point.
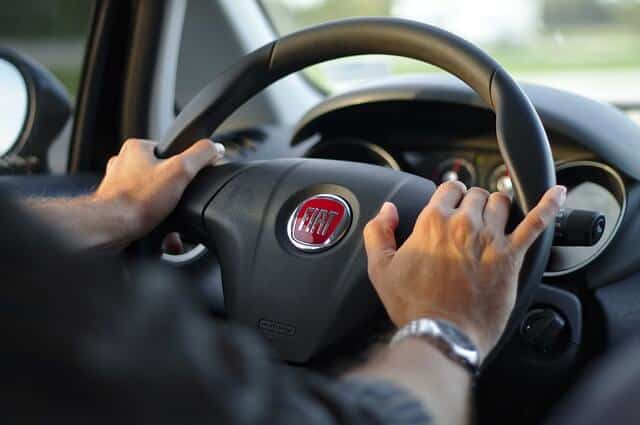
(34, 107)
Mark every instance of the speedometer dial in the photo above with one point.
(500, 181)
(456, 169)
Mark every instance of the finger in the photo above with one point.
(539, 218)
(172, 244)
(448, 194)
(473, 203)
(111, 161)
(379, 238)
(146, 145)
(136, 144)
(200, 154)
(496, 211)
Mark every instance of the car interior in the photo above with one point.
(244, 74)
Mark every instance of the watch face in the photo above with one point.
(453, 335)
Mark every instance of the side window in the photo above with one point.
(53, 33)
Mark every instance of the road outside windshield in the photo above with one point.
(591, 47)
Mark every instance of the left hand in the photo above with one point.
(145, 189)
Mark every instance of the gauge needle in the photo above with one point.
(456, 166)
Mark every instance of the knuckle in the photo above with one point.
(126, 145)
(129, 144)
(487, 236)
(452, 185)
(438, 211)
(369, 228)
(111, 161)
(434, 213)
(182, 167)
(537, 222)
(500, 197)
(145, 145)
(205, 145)
(461, 231)
(553, 202)
(463, 222)
(479, 191)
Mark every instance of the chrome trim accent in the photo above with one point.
(381, 152)
(623, 209)
(338, 233)
(186, 258)
(384, 154)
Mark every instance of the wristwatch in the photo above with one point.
(446, 337)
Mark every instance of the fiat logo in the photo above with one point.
(319, 222)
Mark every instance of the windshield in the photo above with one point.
(591, 47)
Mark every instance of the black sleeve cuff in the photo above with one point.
(384, 402)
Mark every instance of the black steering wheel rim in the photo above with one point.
(521, 137)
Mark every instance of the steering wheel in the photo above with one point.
(288, 232)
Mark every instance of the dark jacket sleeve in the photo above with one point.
(87, 340)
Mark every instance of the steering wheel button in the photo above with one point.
(319, 222)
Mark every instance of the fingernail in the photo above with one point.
(219, 149)
(560, 194)
(386, 208)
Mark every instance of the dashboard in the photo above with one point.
(592, 185)
(441, 130)
(444, 141)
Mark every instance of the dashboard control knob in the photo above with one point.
(505, 185)
(544, 329)
(450, 176)
(456, 169)
(500, 181)
(578, 227)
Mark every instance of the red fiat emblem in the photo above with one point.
(319, 222)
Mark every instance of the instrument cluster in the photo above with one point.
(591, 185)
(482, 168)
(471, 168)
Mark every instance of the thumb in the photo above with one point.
(200, 154)
(379, 238)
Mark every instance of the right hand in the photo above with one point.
(458, 264)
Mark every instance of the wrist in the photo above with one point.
(118, 220)
(450, 340)
(465, 325)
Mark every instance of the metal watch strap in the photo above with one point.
(444, 336)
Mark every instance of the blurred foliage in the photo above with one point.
(69, 77)
(327, 10)
(562, 13)
(555, 13)
(572, 35)
(46, 25)
(576, 34)
(45, 18)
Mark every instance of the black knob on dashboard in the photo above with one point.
(578, 227)
(544, 329)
